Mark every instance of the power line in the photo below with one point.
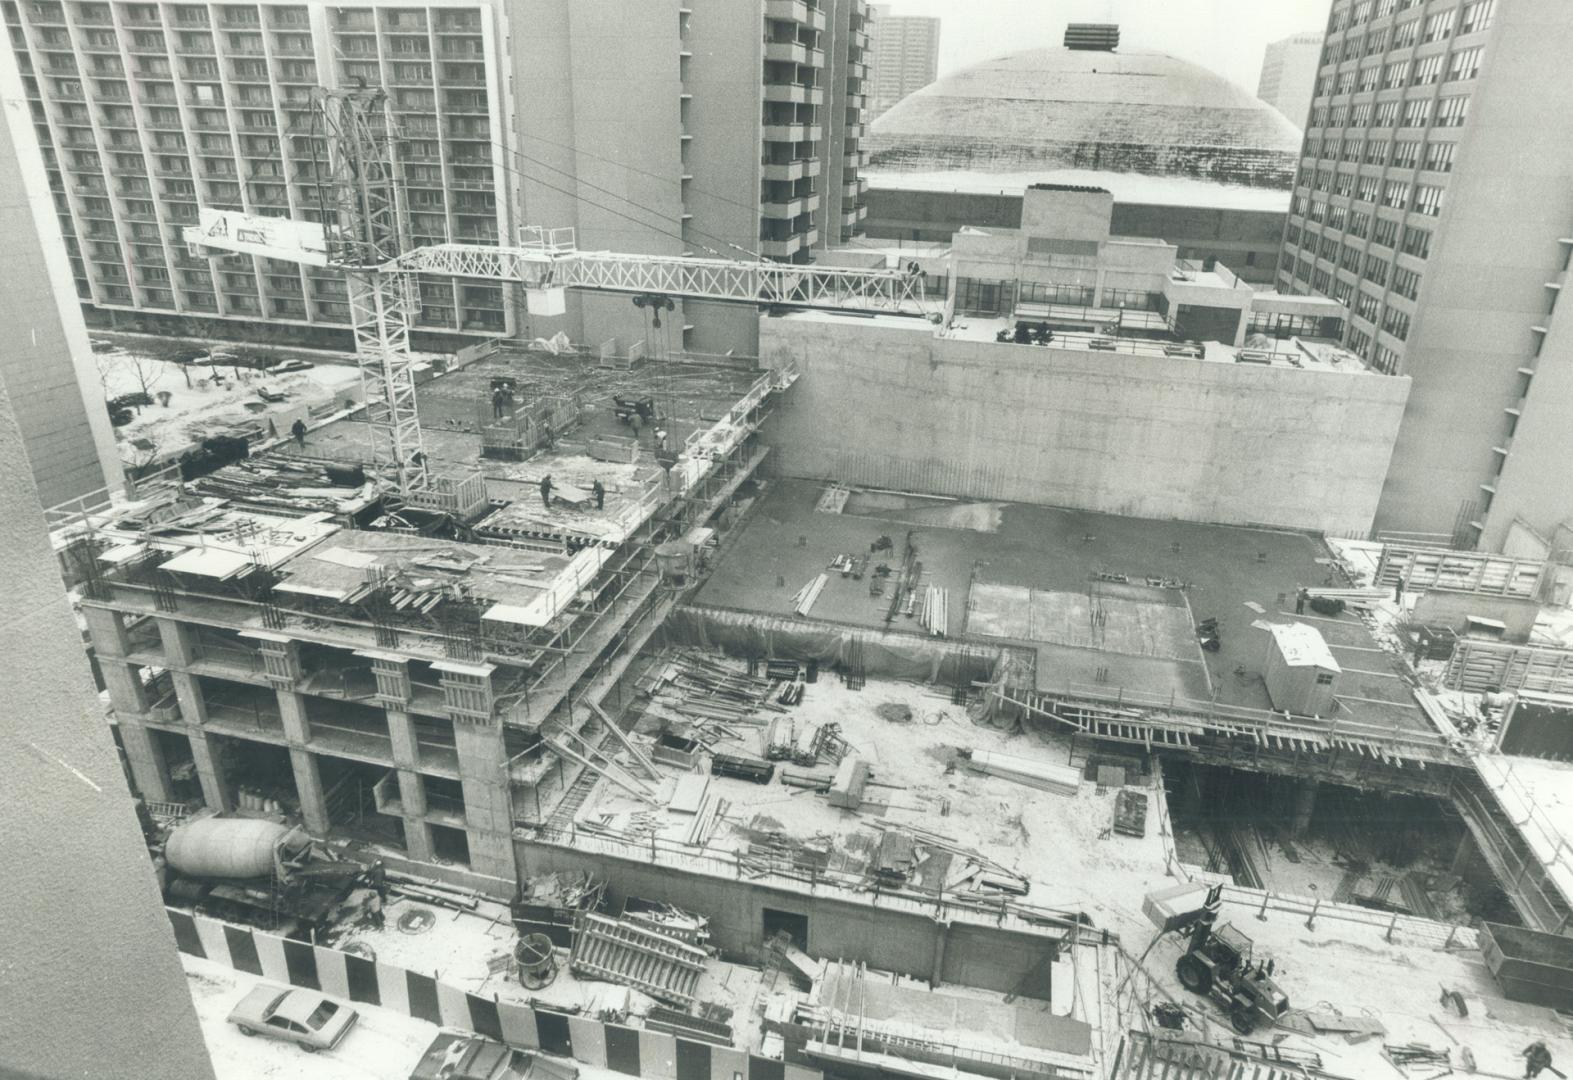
(618, 195)
(632, 168)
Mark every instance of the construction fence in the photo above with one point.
(628, 1050)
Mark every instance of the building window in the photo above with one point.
(1395, 322)
(1375, 42)
(1292, 236)
(1336, 216)
(1376, 270)
(1439, 156)
(1477, 16)
(1395, 74)
(1406, 35)
(1417, 242)
(1321, 281)
(1386, 114)
(1324, 678)
(1386, 232)
(1395, 193)
(1367, 307)
(1369, 78)
(1376, 151)
(1465, 63)
(1450, 111)
(1366, 192)
(1428, 200)
(1346, 83)
(1360, 115)
(1427, 70)
(1406, 154)
(1329, 249)
(1359, 343)
(1438, 26)
(1342, 292)
(1406, 283)
(1416, 113)
(1359, 225)
(1386, 360)
(1318, 210)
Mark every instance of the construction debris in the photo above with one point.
(846, 790)
(936, 611)
(803, 599)
(1130, 813)
(1412, 1055)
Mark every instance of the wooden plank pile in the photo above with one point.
(803, 599)
(701, 688)
(935, 613)
(1043, 775)
(971, 873)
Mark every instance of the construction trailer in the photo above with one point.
(1299, 670)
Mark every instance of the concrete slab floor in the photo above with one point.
(786, 542)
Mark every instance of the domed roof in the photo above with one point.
(1114, 111)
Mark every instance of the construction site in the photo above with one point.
(669, 746)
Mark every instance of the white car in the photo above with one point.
(304, 1017)
(284, 367)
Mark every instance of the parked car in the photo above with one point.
(283, 367)
(308, 1019)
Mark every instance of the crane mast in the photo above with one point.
(364, 233)
(364, 201)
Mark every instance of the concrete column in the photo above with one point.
(188, 691)
(401, 729)
(1304, 807)
(292, 711)
(179, 642)
(1239, 328)
(941, 938)
(1097, 290)
(488, 802)
(126, 692)
(216, 790)
(145, 755)
(107, 630)
(308, 787)
(417, 832)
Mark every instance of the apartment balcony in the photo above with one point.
(794, 94)
(789, 209)
(793, 52)
(854, 131)
(795, 11)
(789, 246)
(853, 188)
(790, 170)
(786, 133)
(854, 215)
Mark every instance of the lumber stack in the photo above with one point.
(803, 599)
(1043, 775)
(935, 614)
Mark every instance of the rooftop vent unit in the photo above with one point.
(1092, 37)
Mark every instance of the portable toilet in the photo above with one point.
(1300, 672)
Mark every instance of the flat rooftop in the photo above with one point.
(1027, 575)
(1125, 187)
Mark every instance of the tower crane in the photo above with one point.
(364, 233)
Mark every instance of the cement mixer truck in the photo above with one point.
(257, 871)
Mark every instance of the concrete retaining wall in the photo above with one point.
(887, 406)
(923, 946)
(633, 1051)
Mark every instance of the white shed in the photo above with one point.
(1300, 671)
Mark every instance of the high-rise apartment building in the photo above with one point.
(1288, 75)
(906, 56)
(640, 123)
(1435, 198)
(46, 366)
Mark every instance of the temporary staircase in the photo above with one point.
(621, 952)
(1145, 1056)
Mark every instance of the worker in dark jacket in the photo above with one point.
(598, 489)
(298, 429)
(546, 491)
(1536, 1057)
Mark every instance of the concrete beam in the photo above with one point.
(107, 630)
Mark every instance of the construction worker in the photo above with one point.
(298, 429)
(598, 489)
(374, 916)
(499, 402)
(634, 422)
(546, 491)
(1299, 600)
(1536, 1058)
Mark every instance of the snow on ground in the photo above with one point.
(383, 1044)
(212, 405)
(1063, 844)
(470, 951)
(1349, 968)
